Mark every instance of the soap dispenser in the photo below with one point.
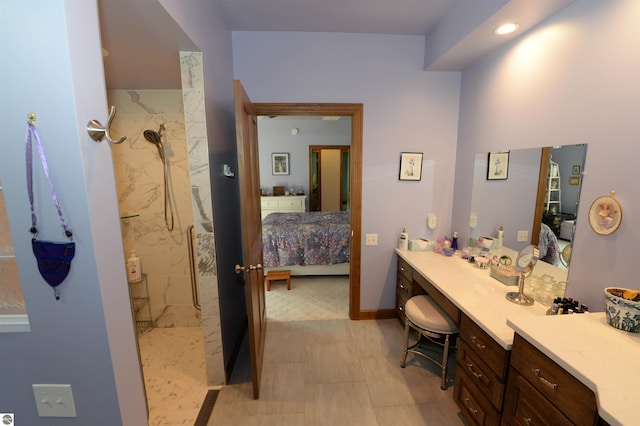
(134, 270)
(404, 240)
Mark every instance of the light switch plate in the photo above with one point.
(523, 236)
(371, 240)
(54, 400)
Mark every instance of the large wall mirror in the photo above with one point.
(537, 202)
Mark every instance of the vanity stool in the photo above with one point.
(278, 275)
(425, 317)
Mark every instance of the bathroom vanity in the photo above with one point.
(498, 381)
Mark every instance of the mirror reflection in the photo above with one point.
(536, 204)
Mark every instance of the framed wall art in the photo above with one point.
(280, 163)
(411, 166)
(498, 166)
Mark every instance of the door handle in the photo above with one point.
(239, 269)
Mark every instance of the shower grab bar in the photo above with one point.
(192, 267)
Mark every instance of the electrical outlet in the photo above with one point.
(523, 236)
(371, 240)
(54, 400)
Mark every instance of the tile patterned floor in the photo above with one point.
(174, 373)
(337, 372)
(316, 372)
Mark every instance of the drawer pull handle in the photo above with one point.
(402, 268)
(401, 308)
(473, 411)
(401, 285)
(470, 368)
(527, 420)
(544, 381)
(480, 346)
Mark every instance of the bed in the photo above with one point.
(310, 243)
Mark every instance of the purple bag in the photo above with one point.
(54, 259)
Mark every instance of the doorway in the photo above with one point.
(355, 112)
(329, 178)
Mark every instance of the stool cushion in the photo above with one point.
(423, 312)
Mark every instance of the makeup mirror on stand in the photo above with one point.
(526, 261)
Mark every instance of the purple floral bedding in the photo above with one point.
(311, 238)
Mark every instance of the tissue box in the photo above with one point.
(505, 274)
(420, 244)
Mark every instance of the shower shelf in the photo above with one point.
(140, 305)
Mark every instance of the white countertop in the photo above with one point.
(480, 296)
(605, 359)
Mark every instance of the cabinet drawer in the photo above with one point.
(405, 269)
(268, 203)
(526, 406)
(291, 204)
(467, 362)
(404, 286)
(564, 391)
(487, 349)
(445, 304)
(401, 300)
(476, 409)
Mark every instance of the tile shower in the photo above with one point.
(139, 180)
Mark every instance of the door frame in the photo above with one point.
(319, 149)
(355, 111)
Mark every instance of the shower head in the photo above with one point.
(156, 139)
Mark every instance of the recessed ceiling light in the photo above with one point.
(507, 28)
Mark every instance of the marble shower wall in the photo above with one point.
(195, 117)
(140, 184)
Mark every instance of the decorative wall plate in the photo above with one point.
(605, 214)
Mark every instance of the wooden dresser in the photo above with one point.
(283, 204)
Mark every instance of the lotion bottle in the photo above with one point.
(134, 272)
(500, 236)
(404, 240)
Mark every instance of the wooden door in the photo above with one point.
(249, 181)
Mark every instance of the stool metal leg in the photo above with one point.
(445, 361)
(406, 343)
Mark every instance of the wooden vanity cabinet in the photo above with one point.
(481, 375)
(410, 283)
(404, 287)
(541, 392)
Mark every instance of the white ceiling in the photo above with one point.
(143, 40)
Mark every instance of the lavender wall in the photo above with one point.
(573, 79)
(84, 339)
(275, 136)
(405, 109)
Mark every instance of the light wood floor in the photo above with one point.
(337, 372)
